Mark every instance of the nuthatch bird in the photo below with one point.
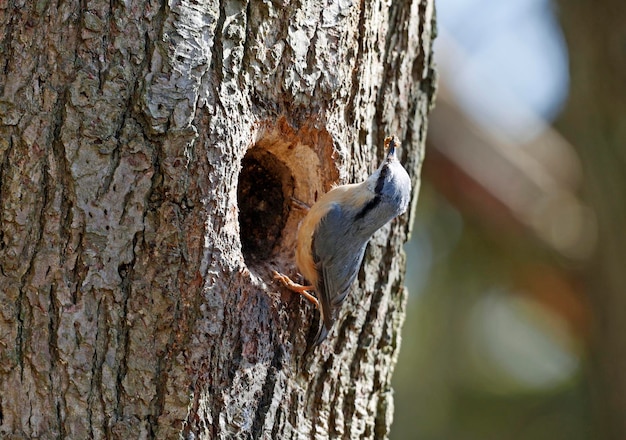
(333, 236)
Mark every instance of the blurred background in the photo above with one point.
(516, 317)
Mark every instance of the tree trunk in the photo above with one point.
(149, 156)
(594, 122)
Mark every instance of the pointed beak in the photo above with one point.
(392, 143)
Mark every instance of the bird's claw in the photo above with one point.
(297, 288)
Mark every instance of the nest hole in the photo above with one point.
(264, 196)
(281, 168)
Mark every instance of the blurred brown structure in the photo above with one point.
(510, 185)
(595, 122)
(528, 190)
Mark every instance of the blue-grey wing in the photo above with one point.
(338, 254)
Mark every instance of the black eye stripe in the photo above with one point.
(380, 183)
(384, 173)
(367, 208)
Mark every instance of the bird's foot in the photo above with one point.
(297, 288)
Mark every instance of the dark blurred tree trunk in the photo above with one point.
(595, 122)
(128, 306)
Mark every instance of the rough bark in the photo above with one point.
(594, 121)
(141, 143)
